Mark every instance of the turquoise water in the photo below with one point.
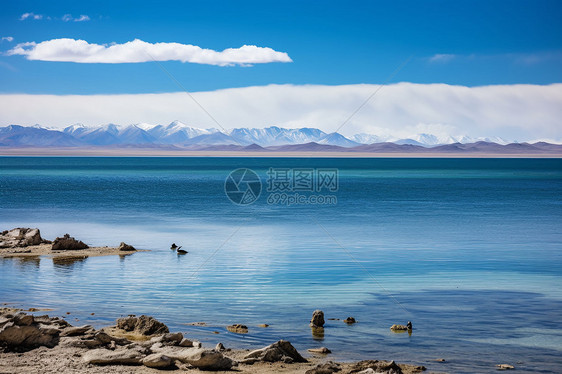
(469, 250)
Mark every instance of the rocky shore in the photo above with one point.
(43, 344)
(24, 242)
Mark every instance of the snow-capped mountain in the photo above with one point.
(337, 139)
(181, 134)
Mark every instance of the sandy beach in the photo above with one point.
(45, 250)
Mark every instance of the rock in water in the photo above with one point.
(67, 243)
(505, 367)
(21, 237)
(143, 325)
(350, 320)
(317, 319)
(279, 351)
(238, 329)
(126, 247)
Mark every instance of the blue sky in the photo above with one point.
(475, 68)
(330, 43)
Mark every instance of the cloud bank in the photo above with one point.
(71, 50)
(513, 112)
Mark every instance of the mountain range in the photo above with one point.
(177, 135)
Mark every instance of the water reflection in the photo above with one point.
(27, 262)
(317, 333)
(66, 264)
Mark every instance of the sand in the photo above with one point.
(45, 250)
(66, 360)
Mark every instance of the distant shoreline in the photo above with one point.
(151, 152)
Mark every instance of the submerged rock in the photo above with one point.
(67, 243)
(317, 319)
(126, 247)
(238, 329)
(143, 325)
(279, 351)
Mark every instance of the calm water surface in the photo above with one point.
(469, 250)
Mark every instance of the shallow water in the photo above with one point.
(469, 250)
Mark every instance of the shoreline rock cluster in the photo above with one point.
(155, 347)
(21, 237)
(20, 242)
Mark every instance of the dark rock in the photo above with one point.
(67, 243)
(143, 325)
(350, 320)
(126, 247)
(327, 368)
(22, 319)
(21, 333)
(317, 319)
(280, 351)
(186, 343)
(74, 331)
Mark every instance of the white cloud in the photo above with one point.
(30, 15)
(514, 112)
(82, 18)
(68, 17)
(442, 57)
(8, 38)
(71, 50)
